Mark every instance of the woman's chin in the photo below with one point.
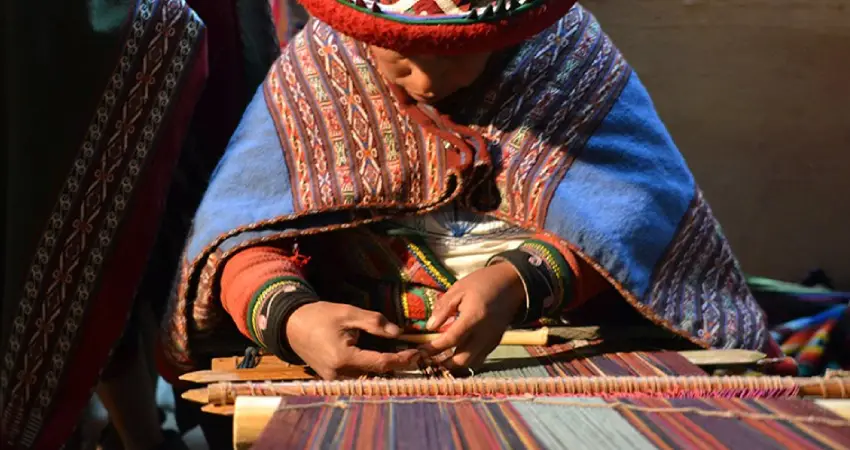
(428, 99)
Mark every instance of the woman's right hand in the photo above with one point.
(325, 336)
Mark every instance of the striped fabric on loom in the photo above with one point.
(552, 423)
(567, 360)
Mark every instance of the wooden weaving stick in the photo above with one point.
(839, 407)
(225, 393)
(254, 414)
(511, 337)
(546, 335)
(268, 372)
(725, 357)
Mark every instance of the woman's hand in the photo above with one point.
(325, 336)
(485, 302)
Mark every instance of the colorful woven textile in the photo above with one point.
(685, 419)
(552, 423)
(812, 325)
(583, 360)
(557, 422)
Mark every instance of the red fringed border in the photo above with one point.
(442, 39)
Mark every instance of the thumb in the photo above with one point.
(371, 322)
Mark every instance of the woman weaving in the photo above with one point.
(455, 165)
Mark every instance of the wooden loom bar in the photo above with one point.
(225, 393)
(839, 407)
(250, 417)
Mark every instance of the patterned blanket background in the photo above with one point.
(809, 320)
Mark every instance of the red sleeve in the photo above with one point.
(588, 281)
(250, 281)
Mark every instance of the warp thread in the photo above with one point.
(616, 405)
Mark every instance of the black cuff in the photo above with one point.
(534, 281)
(275, 333)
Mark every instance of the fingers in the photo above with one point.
(446, 324)
(371, 322)
(446, 308)
(451, 337)
(471, 353)
(351, 336)
(365, 361)
(353, 362)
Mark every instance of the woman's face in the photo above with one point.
(429, 78)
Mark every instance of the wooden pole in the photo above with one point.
(695, 386)
(839, 407)
(250, 418)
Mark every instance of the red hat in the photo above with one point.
(439, 26)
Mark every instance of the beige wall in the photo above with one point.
(757, 95)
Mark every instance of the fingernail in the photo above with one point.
(430, 324)
(392, 328)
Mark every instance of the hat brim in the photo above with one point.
(435, 38)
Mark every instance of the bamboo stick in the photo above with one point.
(542, 336)
(511, 337)
(610, 333)
(747, 387)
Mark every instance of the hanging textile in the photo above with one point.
(103, 93)
(242, 48)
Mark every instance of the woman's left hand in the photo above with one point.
(485, 302)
